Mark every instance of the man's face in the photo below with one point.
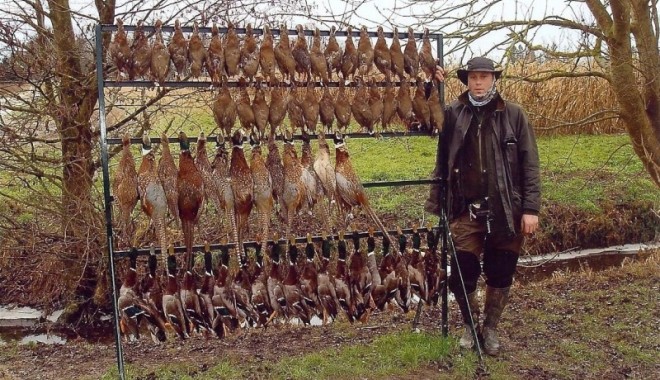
(479, 82)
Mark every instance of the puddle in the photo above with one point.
(30, 336)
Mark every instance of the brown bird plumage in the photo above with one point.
(361, 109)
(312, 185)
(160, 56)
(350, 192)
(405, 107)
(232, 51)
(267, 55)
(382, 55)
(196, 53)
(152, 193)
(263, 187)
(341, 280)
(224, 195)
(224, 111)
(125, 191)
(421, 107)
(215, 56)
(342, 108)
(244, 107)
(140, 54)
(242, 186)
(396, 56)
(333, 54)
(375, 102)
(389, 105)
(437, 113)
(276, 170)
(410, 55)
(325, 175)
(349, 60)
(190, 188)
(426, 60)
(172, 307)
(301, 54)
(318, 63)
(261, 110)
(278, 105)
(326, 289)
(327, 109)
(365, 52)
(249, 54)
(204, 166)
(360, 282)
(178, 48)
(120, 51)
(310, 108)
(168, 173)
(283, 55)
(294, 189)
(295, 108)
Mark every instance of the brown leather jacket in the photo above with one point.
(514, 185)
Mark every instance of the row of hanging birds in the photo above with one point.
(227, 56)
(285, 184)
(278, 286)
(370, 106)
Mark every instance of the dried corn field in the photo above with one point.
(572, 102)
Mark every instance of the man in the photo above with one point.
(493, 194)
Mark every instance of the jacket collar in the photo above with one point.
(501, 105)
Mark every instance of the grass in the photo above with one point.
(562, 328)
(390, 354)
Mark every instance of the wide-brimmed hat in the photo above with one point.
(478, 64)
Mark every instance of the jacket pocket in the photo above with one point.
(511, 152)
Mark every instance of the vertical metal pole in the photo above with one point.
(443, 206)
(108, 199)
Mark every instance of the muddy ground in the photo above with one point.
(531, 345)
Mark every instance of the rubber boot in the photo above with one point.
(496, 300)
(467, 339)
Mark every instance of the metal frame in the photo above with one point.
(105, 141)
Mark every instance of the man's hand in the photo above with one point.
(439, 74)
(529, 224)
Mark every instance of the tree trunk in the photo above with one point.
(638, 108)
(75, 104)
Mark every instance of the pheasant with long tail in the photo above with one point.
(350, 192)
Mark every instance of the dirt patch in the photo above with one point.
(573, 325)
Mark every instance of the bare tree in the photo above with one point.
(49, 135)
(616, 40)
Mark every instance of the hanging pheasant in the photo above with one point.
(242, 187)
(249, 63)
(190, 188)
(196, 53)
(160, 56)
(167, 173)
(152, 193)
(267, 55)
(410, 55)
(333, 54)
(120, 51)
(178, 48)
(215, 56)
(263, 187)
(350, 192)
(125, 191)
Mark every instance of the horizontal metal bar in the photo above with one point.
(253, 244)
(208, 85)
(259, 31)
(329, 136)
(409, 182)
